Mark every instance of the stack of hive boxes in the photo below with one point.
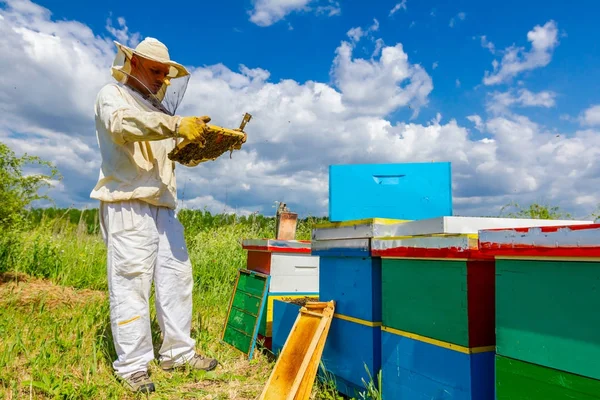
(414, 299)
(351, 277)
(438, 308)
(293, 270)
(547, 318)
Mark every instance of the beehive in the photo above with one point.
(437, 317)
(438, 290)
(293, 271)
(351, 277)
(547, 301)
(404, 191)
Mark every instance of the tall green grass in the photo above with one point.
(65, 351)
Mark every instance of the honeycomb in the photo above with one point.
(216, 142)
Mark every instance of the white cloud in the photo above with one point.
(500, 102)
(298, 129)
(380, 86)
(477, 120)
(122, 33)
(487, 44)
(268, 12)
(397, 7)
(357, 33)
(331, 10)
(435, 65)
(516, 60)
(457, 83)
(591, 116)
(461, 16)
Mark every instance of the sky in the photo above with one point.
(508, 92)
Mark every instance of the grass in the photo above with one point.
(54, 315)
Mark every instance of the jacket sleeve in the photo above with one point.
(128, 124)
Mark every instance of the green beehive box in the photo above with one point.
(438, 287)
(548, 313)
(518, 380)
(245, 311)
(548, 296)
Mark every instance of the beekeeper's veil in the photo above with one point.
(165, 92)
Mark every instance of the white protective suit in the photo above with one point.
(137, 194)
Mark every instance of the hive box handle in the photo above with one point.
(387, 179)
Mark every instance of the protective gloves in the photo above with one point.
(193, 129)
(239, 145)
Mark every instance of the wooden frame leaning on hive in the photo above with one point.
(215, 142)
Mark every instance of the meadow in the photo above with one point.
(55, 339)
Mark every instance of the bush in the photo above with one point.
(19, 190)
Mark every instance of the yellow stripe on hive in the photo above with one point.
(128, 320)
(439, 343)
(357, 321)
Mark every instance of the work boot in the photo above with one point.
(197, 362)
(139, 382)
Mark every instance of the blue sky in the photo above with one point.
(520, 132)
(206, 33)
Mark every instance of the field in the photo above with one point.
(55, 339)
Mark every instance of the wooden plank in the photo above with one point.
(295, 370)
(481, 303)
(547, 314)
(518, 380)
(426, 297)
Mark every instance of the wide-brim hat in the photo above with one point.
(149, 48)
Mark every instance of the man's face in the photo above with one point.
(151, 73)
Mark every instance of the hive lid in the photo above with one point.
(570, 241)
(427, 246)
(470, 225)
(277, 246)
(356, 229)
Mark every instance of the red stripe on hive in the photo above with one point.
(509, 249)
(555, 228)
(274, 249)
(448, 252)
(481, 292)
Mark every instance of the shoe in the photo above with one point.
(139, 382)
(197, 362)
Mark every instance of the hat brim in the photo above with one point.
(176, 70)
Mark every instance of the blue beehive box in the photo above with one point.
(351, 277)
(284, 317)
(397, 191)
(413, 369)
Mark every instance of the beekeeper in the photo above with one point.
(136, 128)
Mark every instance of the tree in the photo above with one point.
(17, 189)
(535, 211)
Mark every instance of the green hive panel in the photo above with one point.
(518, 380)
(548, 313)
(246, 311)
(427, 298)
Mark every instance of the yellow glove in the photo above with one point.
(238, 146)
(193, 128)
